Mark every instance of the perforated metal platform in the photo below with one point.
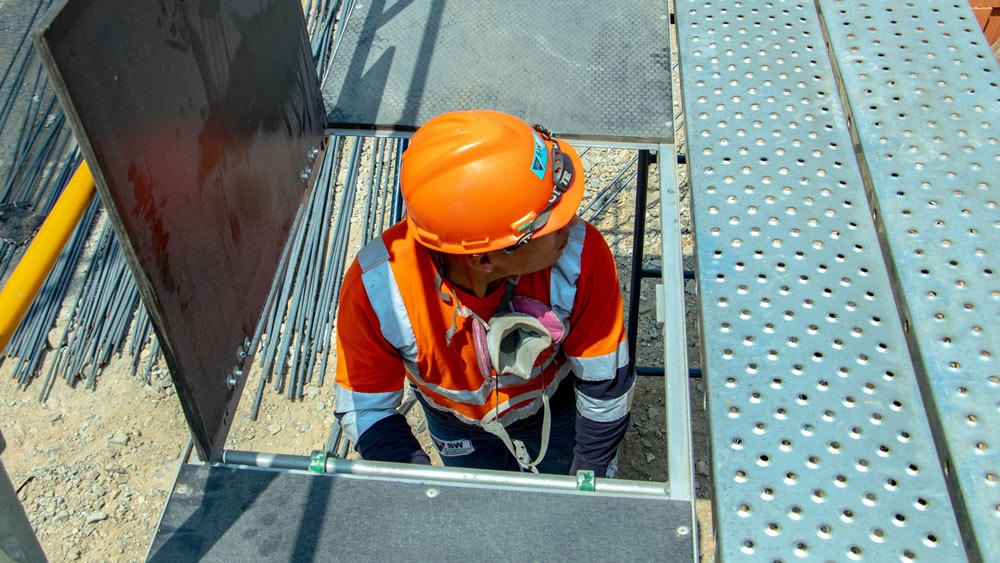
(821, 445)
(924, 93)
(595, 70)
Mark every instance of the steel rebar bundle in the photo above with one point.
(42, 148)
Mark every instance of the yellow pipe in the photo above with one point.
(23, 285)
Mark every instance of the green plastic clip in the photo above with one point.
(317, 461)
(585, 480)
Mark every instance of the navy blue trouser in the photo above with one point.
(477, 449)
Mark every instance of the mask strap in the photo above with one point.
(508, 294)
(439, 286)
(517, 447)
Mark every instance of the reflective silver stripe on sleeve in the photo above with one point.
(604, 410)
(362, 410)
(566, 273)
(386, 301)
(601, 368)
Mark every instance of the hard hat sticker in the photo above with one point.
(540, 160)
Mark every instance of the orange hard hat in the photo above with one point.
(476, 181)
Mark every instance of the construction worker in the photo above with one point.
(495, 301)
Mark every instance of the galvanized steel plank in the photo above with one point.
(821, 447)
(923, 90)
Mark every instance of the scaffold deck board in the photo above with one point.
(820, 441)
(228, 514)
(595, 70)
(924, 93)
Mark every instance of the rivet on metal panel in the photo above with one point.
(234, 379)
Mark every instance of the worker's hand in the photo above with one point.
(391, 439)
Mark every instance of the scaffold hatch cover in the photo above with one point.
(198, 120)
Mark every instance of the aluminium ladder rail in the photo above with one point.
(828, 402)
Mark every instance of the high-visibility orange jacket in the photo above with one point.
(392, 324)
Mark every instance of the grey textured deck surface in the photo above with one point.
(225, 514)
(596, 70)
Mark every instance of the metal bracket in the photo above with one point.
(661, 311)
